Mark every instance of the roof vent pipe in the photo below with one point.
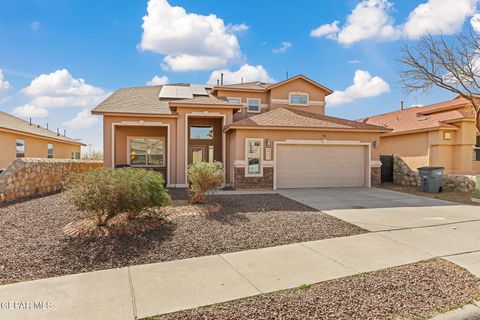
(221, 79)
(218, 82)
(242, 80)
(30, 121)
(47, 125)
(58, 132)
(64, 132)
(287, 74)
(401, 105)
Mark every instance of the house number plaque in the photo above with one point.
(268, 154)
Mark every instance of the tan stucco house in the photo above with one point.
(267, 135)
(20, 138)
(441, 134)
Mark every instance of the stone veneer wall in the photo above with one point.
(27, 177)
(376, 175)
(242, 182)
(404, 175)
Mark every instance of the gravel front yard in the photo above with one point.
(32, 244)
(408, 292)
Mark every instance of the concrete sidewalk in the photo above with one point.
(406, 229)
(147, 290)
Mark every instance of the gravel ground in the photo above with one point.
(32, 244)
(462, 197)
(407, 292)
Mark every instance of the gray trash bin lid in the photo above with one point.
(431, 168)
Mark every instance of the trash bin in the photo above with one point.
(431, 178)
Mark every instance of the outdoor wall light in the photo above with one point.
(375, 144)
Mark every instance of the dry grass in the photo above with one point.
(462, 197)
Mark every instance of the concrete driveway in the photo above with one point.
(436, 227)
(380, 210)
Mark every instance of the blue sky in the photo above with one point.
(58, 58)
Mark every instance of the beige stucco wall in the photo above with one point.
(316, 95)
(430, 148)
(236, 149)
(178, 131)
(35, 147)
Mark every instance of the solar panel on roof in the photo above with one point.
(176, 92)
(199, 89)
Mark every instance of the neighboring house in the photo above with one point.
(20, 138)
(441, 134)
(266, 135)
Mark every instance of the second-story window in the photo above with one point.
(253, 105)
(20, 145)
(299, 99)
(234, 100)
(50, 150)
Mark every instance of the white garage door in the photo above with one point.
(315, 166)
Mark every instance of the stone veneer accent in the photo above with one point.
(242, 182)
(27, 177)
(376, 175)
(404, 175)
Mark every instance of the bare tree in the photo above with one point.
(452, 65)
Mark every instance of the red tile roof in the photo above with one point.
(291, 118)
(426, 117)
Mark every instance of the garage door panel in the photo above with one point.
(310, 166)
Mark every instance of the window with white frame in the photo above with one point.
(253, 154)
(234, 100)
(75, 155)
(298, 98)
(20, 148)
(147, 151)
(253, 105)
(50, 150)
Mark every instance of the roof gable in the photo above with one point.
(302, 77)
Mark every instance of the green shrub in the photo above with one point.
(204, 177)
(105, 193)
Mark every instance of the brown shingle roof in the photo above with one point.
(210, 100)
(426, 117)
(143, 100)
(254, 85)
(291, 118)
(9, 122)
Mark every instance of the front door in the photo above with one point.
(197, 154)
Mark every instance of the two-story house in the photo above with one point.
(266, 135)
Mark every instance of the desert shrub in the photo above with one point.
(204, 177)
(105, 193)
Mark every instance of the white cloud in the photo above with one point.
(284, 46)
(35, 25)
(156, 80)
(4, 84)
(364, 85)
(58, 89)
(475, 22)
(438, 16)
(370, 19)
(189, 41)
(237, 28)
(247, 72)
(355, 61)
(29, 110)
(83, 119)
(328, 30)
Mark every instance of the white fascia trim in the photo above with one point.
(143, 123)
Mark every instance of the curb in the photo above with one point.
(467, 312)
